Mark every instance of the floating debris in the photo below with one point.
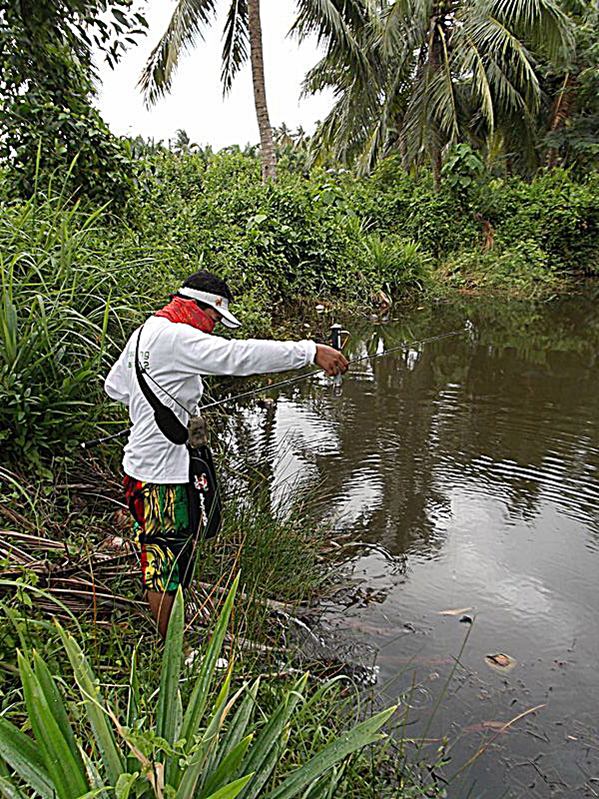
(483, 726)
(453, 612)
(500, 661)
(466, 620)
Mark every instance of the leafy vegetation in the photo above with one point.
(214, 748)
(74, 283)
(48, 125)
(571, 96)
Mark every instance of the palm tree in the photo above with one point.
(435, 72)
(242, 27)
(329, 19)
(571, 122)
(182, 144)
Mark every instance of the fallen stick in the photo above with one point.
(273, 604)
(493, 738)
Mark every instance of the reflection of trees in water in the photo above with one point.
(386, 432)
(524, 394)
(530, 329)
(512, 409)
(531, 427)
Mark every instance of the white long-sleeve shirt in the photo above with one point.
(175, 355)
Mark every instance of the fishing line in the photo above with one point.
(288, 382)
(314, 372)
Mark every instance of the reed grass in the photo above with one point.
(71, 290)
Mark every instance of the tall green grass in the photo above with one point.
(54, 314)
(70, 292)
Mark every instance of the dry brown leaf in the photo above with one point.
(500, 661)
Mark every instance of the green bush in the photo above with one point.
(558, 213)
(218, 745)
(285, 240)
(401, 264)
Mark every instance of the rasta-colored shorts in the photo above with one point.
(161, 516)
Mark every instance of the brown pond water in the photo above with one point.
(473, 463)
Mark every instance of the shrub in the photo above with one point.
(400, 264)
(559, 214)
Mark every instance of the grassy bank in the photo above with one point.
(66, 556)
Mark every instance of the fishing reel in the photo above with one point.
(339, 338)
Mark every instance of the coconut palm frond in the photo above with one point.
(472, 64)
(187, 24)
(506, 95)
(346, 127)
(334, 27)
(387, 123)
(329, 72)
(403, 22)
(445, 95)
(325, 19)
(391, 125)
(373, 146)
(236, 42)
(418, 126)
(507, 53)
(541, 22)
(520, 143)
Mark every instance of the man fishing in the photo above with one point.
(158, 376)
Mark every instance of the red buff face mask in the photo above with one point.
(186, 312)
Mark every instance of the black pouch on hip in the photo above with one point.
(205, 507)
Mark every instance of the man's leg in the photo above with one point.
(161, 606)
(160, 513)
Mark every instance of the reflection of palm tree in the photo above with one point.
(389, 435)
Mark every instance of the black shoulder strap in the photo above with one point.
(168, 423)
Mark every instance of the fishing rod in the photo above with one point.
(337, 341)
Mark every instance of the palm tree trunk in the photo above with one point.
(436, 163)
(267, 147)
(434, 61)
(560, 112)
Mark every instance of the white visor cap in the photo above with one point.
(220, 304)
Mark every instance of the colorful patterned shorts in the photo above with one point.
(161, 526)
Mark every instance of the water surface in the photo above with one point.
(471, 463)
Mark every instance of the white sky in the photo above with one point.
(196, 103)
